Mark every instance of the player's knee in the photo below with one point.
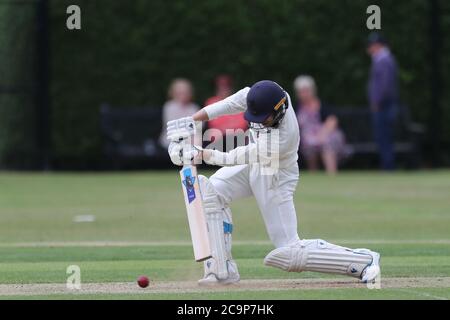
(210, 199)
(285, 258)
(202, 180)
(209, 190)
(206, 187)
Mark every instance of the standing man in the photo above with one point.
(383, 97)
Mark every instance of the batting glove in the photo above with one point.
(176, 153)
(181, 153)
(182, 128)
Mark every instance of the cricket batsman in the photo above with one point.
(274, 141)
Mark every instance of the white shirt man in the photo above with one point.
(267, 169)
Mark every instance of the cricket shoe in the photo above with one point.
(372, 271)
(211, 280)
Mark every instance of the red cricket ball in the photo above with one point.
(143, 281)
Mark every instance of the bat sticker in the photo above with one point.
(188, 183)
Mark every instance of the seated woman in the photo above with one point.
(320, 136)
(179, 105)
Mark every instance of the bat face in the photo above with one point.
(195, 212)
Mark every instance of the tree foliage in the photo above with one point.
(127, 52)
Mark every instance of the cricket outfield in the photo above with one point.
(117, 226)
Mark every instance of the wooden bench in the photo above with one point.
(356, 123)
(130, 137)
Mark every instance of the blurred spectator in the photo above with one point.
(320, 136)
(224, 88)
(179, 105)
(383, 97)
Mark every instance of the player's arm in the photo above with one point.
(240, 155)
(200, 115)
(263, 152)
(233, 104)
(180, 129)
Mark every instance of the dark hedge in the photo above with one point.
(128, 51)
(17, 91)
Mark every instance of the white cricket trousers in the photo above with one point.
(274, 195)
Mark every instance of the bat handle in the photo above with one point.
(187, 145)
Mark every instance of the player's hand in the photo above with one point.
(193, 154)
(181, 153)
(176, 153)
(181, 129)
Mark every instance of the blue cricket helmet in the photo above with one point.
(264, 99)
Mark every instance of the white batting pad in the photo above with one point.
(219, 224)
(319, 256)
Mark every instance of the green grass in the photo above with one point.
(405, 216)
(173, 263)
(309, 294)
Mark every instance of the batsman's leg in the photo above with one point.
(274, 195)
(224, 186)
(321, 256)
(275, 199)
(220, 269)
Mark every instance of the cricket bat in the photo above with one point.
(195, 212)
